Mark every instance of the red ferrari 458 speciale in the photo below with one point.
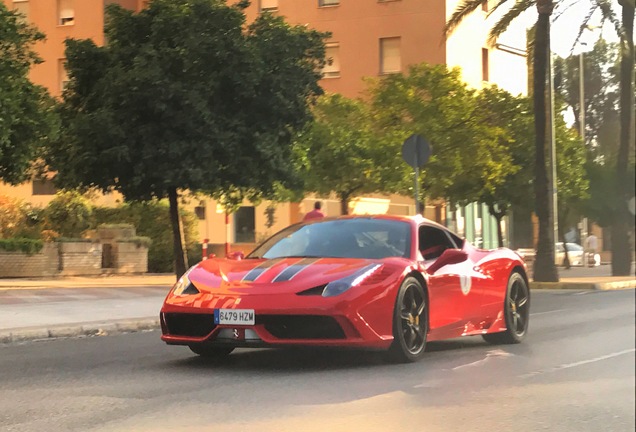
(381, 282)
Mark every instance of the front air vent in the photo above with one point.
(192, 325)
(315, 291)
(302, 326)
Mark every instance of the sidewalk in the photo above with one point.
(34, 309)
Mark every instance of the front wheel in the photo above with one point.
(410, 322)
(516, 311)
(214, 352)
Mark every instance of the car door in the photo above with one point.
(454, 297)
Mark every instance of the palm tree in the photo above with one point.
(621, 248)
(544, 268)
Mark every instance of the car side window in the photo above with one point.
(433, 241)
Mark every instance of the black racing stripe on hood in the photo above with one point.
(294, 269)
(257, 271)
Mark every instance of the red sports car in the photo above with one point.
(382, 282)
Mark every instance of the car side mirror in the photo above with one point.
(448, 257)
(238, 255)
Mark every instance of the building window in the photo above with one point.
(390, 58)
(43, 187)
(244, 225)
(332, 54)
(484, 64)
(22, 6)
(269, 5)
(62, 74)
(65, 12)
(323, 3)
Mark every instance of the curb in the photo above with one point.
(598, 286)
(78, 330)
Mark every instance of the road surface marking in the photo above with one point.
(491, 353)
(579, 363)
(547, 312)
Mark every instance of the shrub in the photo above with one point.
(138, 241)
(69, 214)
(24, 245)
(11, 217)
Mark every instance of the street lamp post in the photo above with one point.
(582, 116)
(553, 161)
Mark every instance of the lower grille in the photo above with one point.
(301, 326)
(185, 324)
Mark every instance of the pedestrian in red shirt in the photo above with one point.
(315, 213)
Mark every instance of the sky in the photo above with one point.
(567, 17)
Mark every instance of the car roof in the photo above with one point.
(417, 219)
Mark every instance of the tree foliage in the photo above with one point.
(431, 100)
(601, 95)
(213, 106)
(26, 110)
(343, 153)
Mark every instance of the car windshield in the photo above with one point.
(341, 238)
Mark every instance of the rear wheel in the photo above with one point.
(410, 322)
(211, 351)
(516, 311)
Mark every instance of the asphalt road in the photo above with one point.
(575, 372)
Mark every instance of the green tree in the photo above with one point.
(601, 95)
(431, 100)
(340, 152)
(68, 214)
(572, 178)
(509, 118)
(26, 110)
(213, 106)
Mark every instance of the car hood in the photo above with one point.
(262, 276)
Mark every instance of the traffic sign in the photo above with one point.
(416, 151)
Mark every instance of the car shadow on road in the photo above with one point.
(320, 359)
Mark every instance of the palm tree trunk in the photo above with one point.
(544, 268)
(621, 250)
(180, 257)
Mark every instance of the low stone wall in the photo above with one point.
(81, 258)
(19, 264)
(129, 257)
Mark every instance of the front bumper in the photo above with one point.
(281, 320)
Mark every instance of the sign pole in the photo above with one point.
(416, 189)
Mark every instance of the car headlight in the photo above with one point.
(184, 286)
(339, 286)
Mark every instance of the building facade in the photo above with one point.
(369, 38)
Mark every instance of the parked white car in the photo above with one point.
(575, 254)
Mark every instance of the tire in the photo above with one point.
(516, 311)
(213, 352)
(410, 323)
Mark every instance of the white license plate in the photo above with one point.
(234, 316)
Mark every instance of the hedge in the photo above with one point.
(24, 245)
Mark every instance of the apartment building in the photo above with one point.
(369, 38)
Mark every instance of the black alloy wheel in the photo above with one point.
(210, 351)
(410, 322)
(516, 310)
